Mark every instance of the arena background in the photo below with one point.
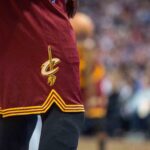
(114, 47)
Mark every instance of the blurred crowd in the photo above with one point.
(115, 66)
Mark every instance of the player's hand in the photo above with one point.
(71, 7)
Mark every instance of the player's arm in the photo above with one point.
(71, 7)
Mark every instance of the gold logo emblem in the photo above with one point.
(49, 68)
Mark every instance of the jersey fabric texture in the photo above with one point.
(39, 63)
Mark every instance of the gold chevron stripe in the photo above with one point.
(53, 97)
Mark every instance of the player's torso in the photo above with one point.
(27, 27)
(33, 18)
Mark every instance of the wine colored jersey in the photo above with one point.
(38, 58)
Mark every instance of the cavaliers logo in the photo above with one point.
(49, 68)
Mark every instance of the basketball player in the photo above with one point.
(39, 74)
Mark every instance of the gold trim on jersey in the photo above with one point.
(0, 111)
(52, 98)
